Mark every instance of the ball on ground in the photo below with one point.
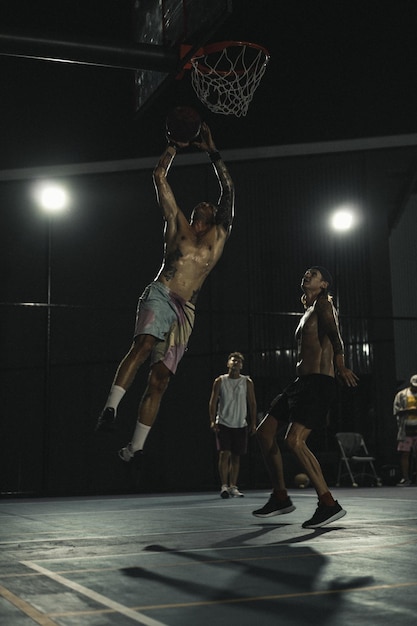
(302, 481)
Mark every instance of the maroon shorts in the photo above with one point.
(407, 444)
(234, 440)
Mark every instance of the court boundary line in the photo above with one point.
(26, 608)
(137, 616)
(280, 596)
(93, 595)
(273, 524)
(284, 596)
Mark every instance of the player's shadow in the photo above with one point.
(280, 578)
(263, 529)
(247, 538)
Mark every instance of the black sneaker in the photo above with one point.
(404, 482)
(106, 421)
(324, 515)
(275, 507)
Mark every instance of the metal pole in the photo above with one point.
(110, 54)
(47, 383)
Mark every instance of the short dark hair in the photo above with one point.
(325, 274)
(238, 355)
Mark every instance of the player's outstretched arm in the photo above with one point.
(164, 193)
(226, 201)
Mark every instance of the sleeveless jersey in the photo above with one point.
(232, 406)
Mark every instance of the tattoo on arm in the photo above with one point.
(225, 211)
(224, 214)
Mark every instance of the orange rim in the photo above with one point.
(221, 45)
(215, 47)
(218, 47)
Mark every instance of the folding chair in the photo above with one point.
(356, 458)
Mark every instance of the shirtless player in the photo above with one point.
(165, 314)
(306, 402)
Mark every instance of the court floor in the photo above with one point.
(197, 560)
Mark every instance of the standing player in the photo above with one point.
(306, 402)
(231, 397)
(405, 413)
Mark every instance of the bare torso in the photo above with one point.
(189, 257)
(315, 351)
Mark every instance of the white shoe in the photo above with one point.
(224, 492)
(126, 454)
(235, 493)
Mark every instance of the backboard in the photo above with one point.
(169, 24)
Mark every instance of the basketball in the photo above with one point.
(302, 481)
(183, 124)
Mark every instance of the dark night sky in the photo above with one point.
(338, 70)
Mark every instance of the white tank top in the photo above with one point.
(232, 407)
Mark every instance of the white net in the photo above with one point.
(226, 79)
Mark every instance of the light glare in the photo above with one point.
(52, 198)
(342, 220)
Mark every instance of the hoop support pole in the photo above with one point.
(117, 55)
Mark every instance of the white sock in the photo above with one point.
(114, 397)
(139, 436)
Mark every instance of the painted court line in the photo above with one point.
(281, 596)
(92, 595)
(26, 608)
(140, 537)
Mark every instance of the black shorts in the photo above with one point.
(307, 401)
(234, 440)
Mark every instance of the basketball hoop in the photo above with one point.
(226, 75)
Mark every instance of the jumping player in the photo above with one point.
(165, 313)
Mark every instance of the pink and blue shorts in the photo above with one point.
(167, 317)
